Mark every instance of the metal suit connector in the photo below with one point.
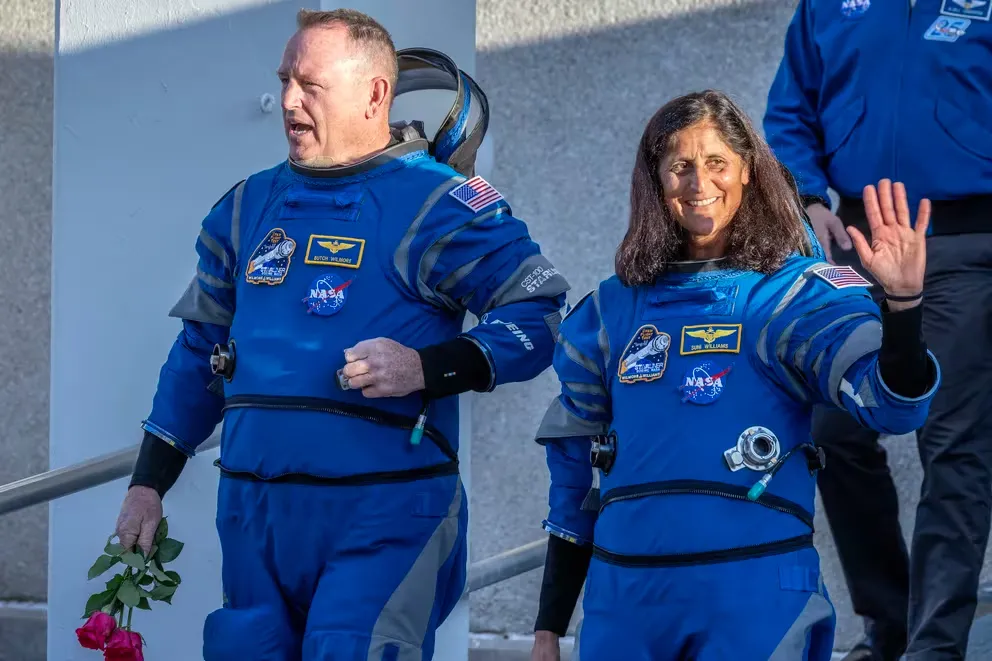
(222, 360)
(604, 452)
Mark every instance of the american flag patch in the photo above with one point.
(476, 193)
(841, 276)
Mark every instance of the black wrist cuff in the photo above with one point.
(903, 299)
(902, 359)
(454, 367)
(564, 573)
(158, 466)
(807, 200)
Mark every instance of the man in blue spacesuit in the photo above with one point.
(682, 476)
(324, 328)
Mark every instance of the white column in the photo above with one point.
(157, 113)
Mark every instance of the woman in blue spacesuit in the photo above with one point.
(682, 473)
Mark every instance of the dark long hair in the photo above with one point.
(767, 227)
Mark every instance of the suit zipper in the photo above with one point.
(902, 73)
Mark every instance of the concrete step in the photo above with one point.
(23, 631)
(22, 638)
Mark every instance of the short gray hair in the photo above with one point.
(362, 29)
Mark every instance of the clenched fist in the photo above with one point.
(383, 368)
(139, 518)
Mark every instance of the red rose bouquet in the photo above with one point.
(142, 580)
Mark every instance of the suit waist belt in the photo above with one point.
(704, 487)
(386, 418)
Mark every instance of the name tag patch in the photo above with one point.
(979, 10)
(947, 29)
(711, 338)
(269, 264)
(335, 251)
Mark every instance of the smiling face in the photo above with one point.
(703, 181)
(328, 96)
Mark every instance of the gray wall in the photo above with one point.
(26, 42)
(571, 86)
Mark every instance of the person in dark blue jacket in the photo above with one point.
(679, 448)
(324, 328)
(904, 89)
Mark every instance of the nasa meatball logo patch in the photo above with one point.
(854, 8)
(703, 384)
(269, 264)
(646, 355)
(327, 295)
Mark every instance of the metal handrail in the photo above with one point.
(61, 482)
(481, 574)
(506, 565)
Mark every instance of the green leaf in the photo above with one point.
(128, 594)
(133, 560)
(113, 549)
(98, 602)
(168, 600)
(115, 582)
(143, 604)
(174, 577)
(169, 550)
(163, 530)
(146, 580)
(155, 570)
(162, 591)
(102, 564)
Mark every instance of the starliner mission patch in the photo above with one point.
(646, 355)
(269, 264)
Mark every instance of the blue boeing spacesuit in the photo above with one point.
(343, 536)
(679, 450)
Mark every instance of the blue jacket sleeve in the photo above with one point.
(580, 412)
(821, 345)
(572, 482)
(187, 406)
(485, 262)
(791, 122)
